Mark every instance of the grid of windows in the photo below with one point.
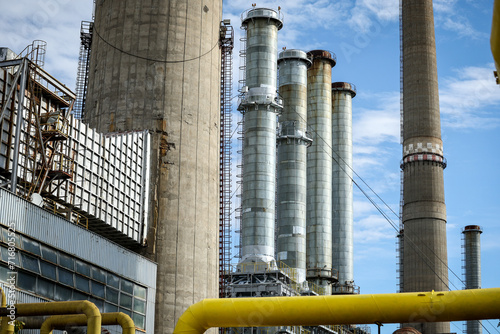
(55, 275)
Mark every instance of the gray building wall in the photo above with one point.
(47, 228)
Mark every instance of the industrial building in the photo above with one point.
(137, 165)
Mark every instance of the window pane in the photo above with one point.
(127, 286)
(140, 291)
(111, 295)
(4, 274)
(62, 293)
(31, 246)
(125, 300)
(45, 288)
(49, 254)
(77, 295)
(65, 276)
(66, 261)
(48, 270)
(82, 283)
(139, 320)
(127, 312)
(139, 305)
(30, 263)
(5, 255)
(110, 308)
(99, 275)
(26, 281)
(82, 268)
(97, 289)
(113, 281)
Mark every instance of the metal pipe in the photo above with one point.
(342, 212)
(113, 318)
(19, 125)
(432, 306)
(292, 143)
(57, 308)
(260, 106)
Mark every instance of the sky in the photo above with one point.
(364, 35)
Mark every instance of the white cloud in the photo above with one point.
(468, 99)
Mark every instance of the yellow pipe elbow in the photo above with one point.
(337, 310)
(56, 308)
(7, 327)
(113, 318)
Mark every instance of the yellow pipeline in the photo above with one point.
(495, 35)
(410, 307)
(7, 328)
(74, 307)
(113, 318)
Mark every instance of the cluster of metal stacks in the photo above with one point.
(302, 173)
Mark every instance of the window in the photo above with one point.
(125, 300)
(49, 254)
(65, 277)
(30, 263)
(66, 261)
(26, 281)
(82, 283)
(111, 295)
(48, 270)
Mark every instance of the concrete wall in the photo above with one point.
(156, 65)
(424, 212)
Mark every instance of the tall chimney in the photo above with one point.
(260, 107)
(319, 170)
(342, 214)
(425, 260)
(472, 259)
(292, 142)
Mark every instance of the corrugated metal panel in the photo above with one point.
(62, 234)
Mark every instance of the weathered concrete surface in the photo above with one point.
(424, 212)
(156, 65)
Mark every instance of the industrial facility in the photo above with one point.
(121, 193)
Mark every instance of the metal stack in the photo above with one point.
(319, 170)
(292, 144)
(260, 106)
(342, 216)
(472, 266)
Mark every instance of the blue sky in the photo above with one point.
(364, 34)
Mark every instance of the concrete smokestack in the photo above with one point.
(342, 216)
(319, 170)
(472, 259)
(157, 67)
(425, 261)
(260, 106)
(292, 145)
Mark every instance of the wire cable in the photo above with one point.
(151, 59)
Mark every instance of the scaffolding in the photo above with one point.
(86, 32)
(226, 44)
